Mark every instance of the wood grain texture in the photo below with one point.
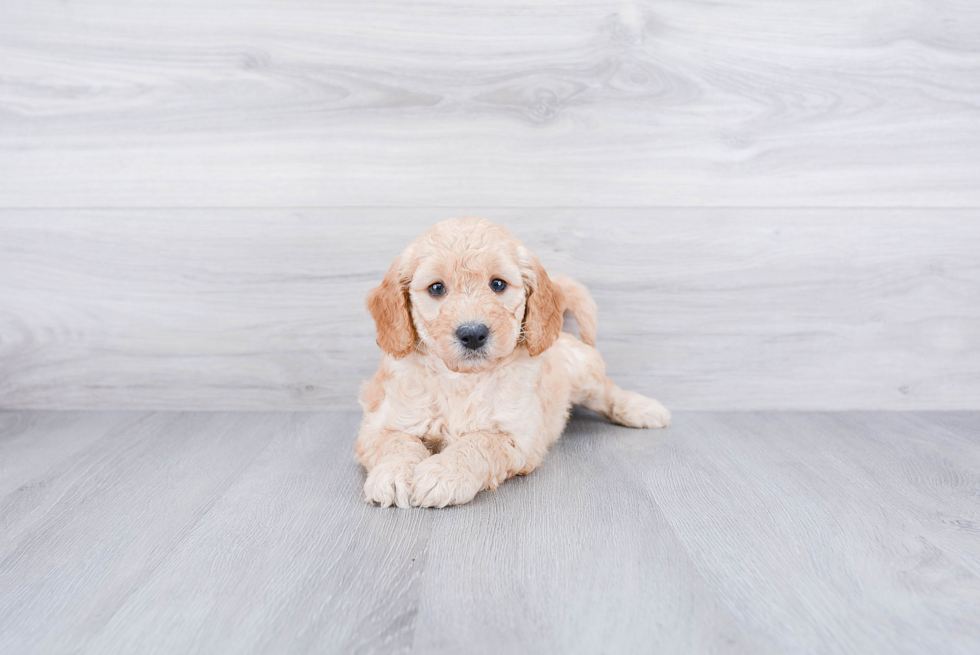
(727, 532)
(701, 308)
(291, 547)
(831, 501)
(489, 103)
(576, 558)
(115, 511)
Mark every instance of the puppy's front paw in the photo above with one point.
(636, 411)
(390, 483)
(440, 481)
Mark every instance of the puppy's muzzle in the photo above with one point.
(472, 335)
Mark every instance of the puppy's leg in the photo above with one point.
(592, 389)
(626, 407)
(390, 457)
(478, 461)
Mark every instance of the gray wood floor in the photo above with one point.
(728, 532)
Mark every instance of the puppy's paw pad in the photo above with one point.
(439, 483)
(638, 411)
(390, 483)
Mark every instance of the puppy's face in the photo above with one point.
(468, 305)
(468, 293)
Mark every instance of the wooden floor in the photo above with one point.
(728, 532)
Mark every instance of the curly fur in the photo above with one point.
(442, 423)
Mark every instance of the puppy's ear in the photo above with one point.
(544, 305)
(389, 306)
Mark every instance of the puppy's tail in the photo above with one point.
(580, 304)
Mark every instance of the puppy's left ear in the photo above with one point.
(544, 305)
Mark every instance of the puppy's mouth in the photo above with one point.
(464, 360)
(470, 357)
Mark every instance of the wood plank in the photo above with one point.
(733, 532)
(702, 308)
(962, 424)
(828, 533)
(289, 560)
(489, 103)
(24, 458)
(575, 558)
(96, 529)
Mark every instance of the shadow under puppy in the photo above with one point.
(477, 378)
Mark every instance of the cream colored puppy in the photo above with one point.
(477, 379)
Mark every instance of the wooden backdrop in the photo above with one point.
(775, 204)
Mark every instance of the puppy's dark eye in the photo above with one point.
(436, 289)
(498, 285)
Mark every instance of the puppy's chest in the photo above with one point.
(441, 408)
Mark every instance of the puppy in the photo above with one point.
(477, 379)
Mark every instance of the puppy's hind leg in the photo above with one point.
(626, 407)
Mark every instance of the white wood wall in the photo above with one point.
(775, 204)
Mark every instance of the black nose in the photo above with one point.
(472, 335)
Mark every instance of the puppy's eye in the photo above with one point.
(498, 285)
(436, 289)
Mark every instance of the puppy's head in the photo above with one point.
(468, 293)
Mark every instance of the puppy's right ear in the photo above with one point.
(389, 306)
